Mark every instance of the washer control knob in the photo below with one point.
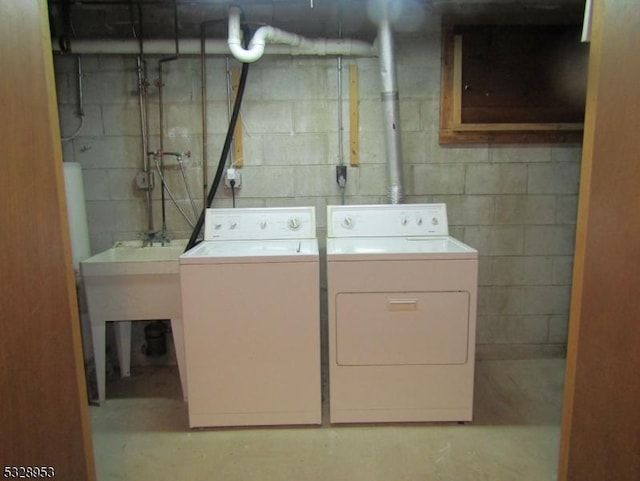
(217, 226)
(263, 224)
(233, 224)
(348, 222)
(294, 223)
(419, 221)
(434, 221)
(404, 220)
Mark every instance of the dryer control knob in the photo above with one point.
(348, 222)
(263, 224)
(217, 226)
(419, 221)
(233, 224)
(404, 221)
(294, 223)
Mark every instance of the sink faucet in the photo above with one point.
(149, 238)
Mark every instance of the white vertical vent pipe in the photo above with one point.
(390, 101)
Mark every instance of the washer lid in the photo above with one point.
(427, 247)
(280, 250)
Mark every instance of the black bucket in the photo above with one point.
(155, 335)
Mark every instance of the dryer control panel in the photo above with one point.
(387, 220)
(260, 223)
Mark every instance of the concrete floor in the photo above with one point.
(141, 433)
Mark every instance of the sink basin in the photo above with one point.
(129, 282)
(131, 259)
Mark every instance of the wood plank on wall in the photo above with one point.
(354, 118)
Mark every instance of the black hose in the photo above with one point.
(223, 155)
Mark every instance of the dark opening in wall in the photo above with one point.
(512, 83)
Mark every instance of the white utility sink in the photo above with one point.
(129, 282)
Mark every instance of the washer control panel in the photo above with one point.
(260, 223)
(388, 220)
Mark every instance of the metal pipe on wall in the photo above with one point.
(390, 101)
(341, 176)
(203, 107)
(161, 62)
(80, 111)
(144, 129)
(143, 101)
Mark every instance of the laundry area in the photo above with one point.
(302, 252)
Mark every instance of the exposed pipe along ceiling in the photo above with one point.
(266, 40)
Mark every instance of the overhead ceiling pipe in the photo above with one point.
(295, 43)
(255, 49)
(390, 101)
(191, 46)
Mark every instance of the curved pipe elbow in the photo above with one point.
(267, 34)
(256, 48)
(259, 40)
(246, 56)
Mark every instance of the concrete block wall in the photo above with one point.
(516, 204)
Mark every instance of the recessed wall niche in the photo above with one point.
(512, 83)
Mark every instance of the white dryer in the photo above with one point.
(250, 299)
(402, 315)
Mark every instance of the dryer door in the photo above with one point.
(402, 328)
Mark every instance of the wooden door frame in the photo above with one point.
(43, 403)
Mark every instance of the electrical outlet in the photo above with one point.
(232, 174)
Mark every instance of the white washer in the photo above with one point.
(402, 315)
(250, 300)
